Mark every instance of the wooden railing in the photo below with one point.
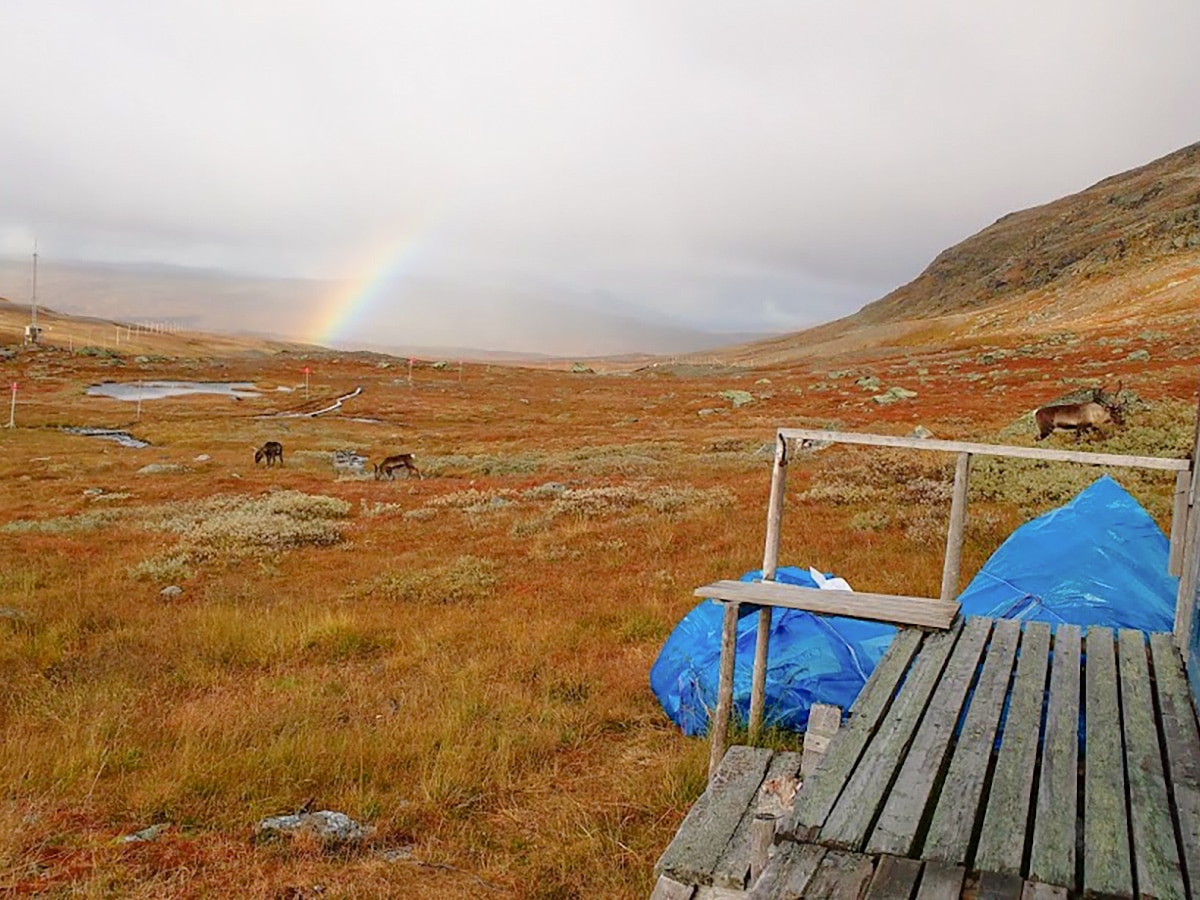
(1184, 558)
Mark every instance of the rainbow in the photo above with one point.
(347, 309)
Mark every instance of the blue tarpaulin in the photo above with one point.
(1099, 560)
(813, 659)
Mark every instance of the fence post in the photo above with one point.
(719, 724)
(758, 685)
(958, 521)
(1189, 562)
(1179, 517)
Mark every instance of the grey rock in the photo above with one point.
(330, 827)
(350, 460)
(146, 834)
(892, 394)
(162, 469)
(737, 398)
(921, 432)
(171, 591)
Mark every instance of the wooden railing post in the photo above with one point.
(758, 686)
(958, 521)
(718, 726)
(1189, 561)
(1179, 516)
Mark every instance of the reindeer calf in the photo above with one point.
(271, 451)
(1081, 417)
(392, 463)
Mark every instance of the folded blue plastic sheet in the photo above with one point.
(813, 659)
(1099, 560)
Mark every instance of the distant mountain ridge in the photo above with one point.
(425, 316)
(1125, 251)
(1122, 222)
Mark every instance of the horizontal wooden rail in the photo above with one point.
(912, 443)
(895, 610)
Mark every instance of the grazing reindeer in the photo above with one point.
(271, 451)
(392, 463)
(1081, 417)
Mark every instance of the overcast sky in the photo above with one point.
(754, 165)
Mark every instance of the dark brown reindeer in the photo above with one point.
(392, 463)
(271, 451)
(1081, 417)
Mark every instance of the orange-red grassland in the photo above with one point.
(461, 661)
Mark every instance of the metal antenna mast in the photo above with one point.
(33, 299)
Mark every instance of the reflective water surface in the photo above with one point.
(156, 390)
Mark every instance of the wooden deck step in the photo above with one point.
(712, 822)
(917, 612)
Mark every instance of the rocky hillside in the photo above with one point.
(1125, 253)
(1121, 224)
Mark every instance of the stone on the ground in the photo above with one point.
(146, 834)
(171, 592)
(330, 827)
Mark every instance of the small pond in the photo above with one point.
(124, 438)
(156, 390)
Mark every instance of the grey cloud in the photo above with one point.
(762, 164)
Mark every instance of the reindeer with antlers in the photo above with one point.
(1081, 417)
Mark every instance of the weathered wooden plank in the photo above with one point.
(896, 830)
(718, 723)
(710, 892)
(1179, 512)
(1035, 891)
(949, 837)
(850, 820)
(1182, 738)
(918, 612)
(995, 886)
(788, 873)
(895, 879)
(1107, 867)
(758, 683)
(954, 534)
(887, 440)
(841, 876)
(1155, 853)
(822, 788)
(697, 846)
(824, 721)
(733, 866)
(1002, 840)
(940, 882)
(667, 888)
(1052, 859)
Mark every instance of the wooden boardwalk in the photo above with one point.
(988, 761)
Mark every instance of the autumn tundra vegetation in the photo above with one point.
(459, 662)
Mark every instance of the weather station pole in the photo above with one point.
(306, 370)
(12, 412)
(31, 332)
